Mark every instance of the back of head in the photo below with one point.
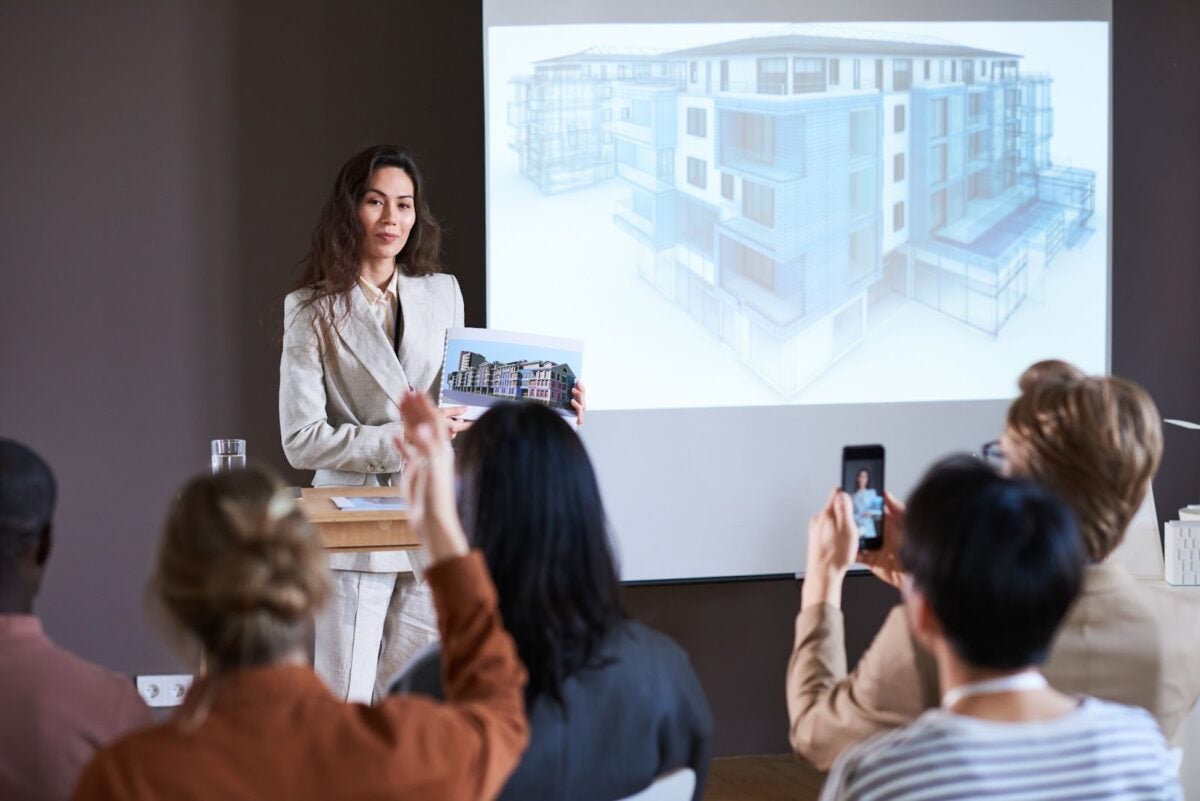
(999, 561)
(1095, 440)
(240, 568)
(530, 502)
(27, 495)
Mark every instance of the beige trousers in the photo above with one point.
(373, 624)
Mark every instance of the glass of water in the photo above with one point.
(228, 454)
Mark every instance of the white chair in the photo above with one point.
(678, 785)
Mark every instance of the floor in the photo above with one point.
(763, 778)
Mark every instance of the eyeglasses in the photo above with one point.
(991, 453)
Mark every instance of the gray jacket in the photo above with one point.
(337, 400)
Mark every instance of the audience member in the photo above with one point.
(612, 703)
(993, 565)
(1096, 442)
(55, 708)
(241, 570)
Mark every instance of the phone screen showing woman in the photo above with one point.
(862, 479)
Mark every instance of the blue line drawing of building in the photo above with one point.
(784, 188)
(560, 114)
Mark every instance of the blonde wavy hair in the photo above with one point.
(240, 568)
(1095, 440)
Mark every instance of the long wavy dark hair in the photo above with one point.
(333, 262)
(530, 502)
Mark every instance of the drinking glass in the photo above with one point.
(228, 454)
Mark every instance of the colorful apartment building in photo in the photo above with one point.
(543, 381)
(783, 190)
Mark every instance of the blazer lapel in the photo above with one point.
(363, 335)
(415, 348)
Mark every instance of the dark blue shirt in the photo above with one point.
(638, 715)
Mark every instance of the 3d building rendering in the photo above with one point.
(784, 189)
(542, 381)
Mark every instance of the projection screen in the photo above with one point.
(780, 230)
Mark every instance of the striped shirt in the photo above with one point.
(1098, 751)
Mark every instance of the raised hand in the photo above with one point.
(429, 477)
(885, 562)
(832, 548)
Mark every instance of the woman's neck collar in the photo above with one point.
(378, 273)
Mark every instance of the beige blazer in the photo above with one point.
(1122, 641)
(337, 400)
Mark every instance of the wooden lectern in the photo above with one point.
(356, 531)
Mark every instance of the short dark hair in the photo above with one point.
(530, 502)
(999, 560)
(27, 495)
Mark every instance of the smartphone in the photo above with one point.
(862, 479)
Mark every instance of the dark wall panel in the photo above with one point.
(117, 354)
(1156, 239)
(738, 635)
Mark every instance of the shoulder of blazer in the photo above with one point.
(295, 302)
(297, 313)
(439, 289)
(300, 316)
(436, 283)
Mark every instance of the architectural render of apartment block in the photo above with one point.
(542, 381)
(782, 188)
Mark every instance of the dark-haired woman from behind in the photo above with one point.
(240, 570)
(612, 703)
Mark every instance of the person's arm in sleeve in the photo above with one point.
(309, 440)
(828, 709)
(468, 746)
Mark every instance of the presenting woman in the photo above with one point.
(366, 321)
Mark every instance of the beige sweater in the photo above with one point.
(1122, 641)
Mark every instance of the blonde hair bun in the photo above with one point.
(240, 567)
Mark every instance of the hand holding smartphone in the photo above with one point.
(862, 479)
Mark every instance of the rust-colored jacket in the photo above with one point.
(277, 732)
(1123, 641)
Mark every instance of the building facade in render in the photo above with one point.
(783, 188)
(559, 114)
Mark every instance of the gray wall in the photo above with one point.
(162, 164)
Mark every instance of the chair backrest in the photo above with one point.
(678, 785)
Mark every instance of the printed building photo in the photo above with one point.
(542, 381)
